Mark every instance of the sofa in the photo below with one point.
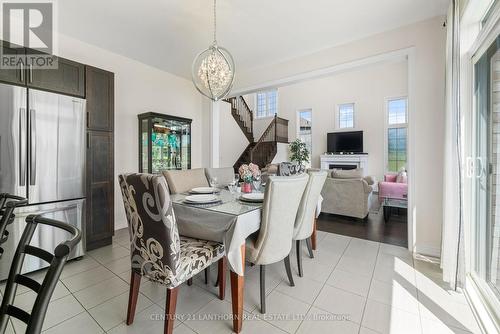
(347, 193)
(390, 187)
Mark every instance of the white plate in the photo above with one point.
(199, 199)
(253, 197)
(203, 190)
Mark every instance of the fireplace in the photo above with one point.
(344, 161)
(343, 167)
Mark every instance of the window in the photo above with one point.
(397, 133)
(346, 116)
(267, 103)
(397, 111)
(305, 130)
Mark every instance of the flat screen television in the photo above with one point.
(345, 142)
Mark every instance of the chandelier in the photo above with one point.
(213, 69)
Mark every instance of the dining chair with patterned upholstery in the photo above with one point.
(304, 222)
(273, 242)
(158, 253)
(181, 181)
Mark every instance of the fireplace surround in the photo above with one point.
(344, 161)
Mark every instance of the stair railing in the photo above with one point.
(239, 105)
(276, 132)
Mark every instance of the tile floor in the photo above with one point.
(351, 286)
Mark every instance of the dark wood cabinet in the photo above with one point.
(97, 86)
(100, 99)
(68, 78)
(99, 92)
(100, 193)
(15, 56)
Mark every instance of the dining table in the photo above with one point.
(229, 221)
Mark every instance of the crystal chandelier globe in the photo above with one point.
(213, 69)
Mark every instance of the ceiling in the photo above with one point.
(168, 34)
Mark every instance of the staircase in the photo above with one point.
(264, 150)
(243, 116)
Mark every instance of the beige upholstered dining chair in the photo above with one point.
(156, 249)
(273, 242)
(224, 175)
(304, 222)
(180, 181)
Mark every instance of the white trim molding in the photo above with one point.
(427, 250)
(396, 55)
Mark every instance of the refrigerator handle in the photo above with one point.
(22, 147)
(21, 71)
(32, 147)
(31, 73)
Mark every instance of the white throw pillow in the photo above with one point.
(402, 177)
(347, 174)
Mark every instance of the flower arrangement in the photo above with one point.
(249, 172)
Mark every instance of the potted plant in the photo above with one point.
(299, 153)
(248, 173)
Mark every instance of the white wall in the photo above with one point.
(232, 140)
(428, 40)
(139, 88)
(282, 153)
(367, 87)
(260, 125)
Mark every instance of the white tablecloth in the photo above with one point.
(230, 223)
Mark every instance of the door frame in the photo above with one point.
(297, 128)
(477, 40)
(408, 54)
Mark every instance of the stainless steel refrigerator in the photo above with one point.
(42, 158)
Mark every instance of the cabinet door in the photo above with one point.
(16, 75)
(68, 78)
(100, 196)
(100, 99)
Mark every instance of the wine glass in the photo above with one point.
(236, 179)
(213, 183)
(257, 182)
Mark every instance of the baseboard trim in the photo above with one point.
(427, 250)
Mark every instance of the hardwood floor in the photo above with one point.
(394, 232)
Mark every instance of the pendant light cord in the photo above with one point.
(215, 21)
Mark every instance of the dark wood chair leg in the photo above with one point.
(207, 274)
(170, 310)
(314, 234)
(309, 247)
(299, 258)
(289, 270)
(262, 289)
(221, 277)
(135, 282)
(190, 281)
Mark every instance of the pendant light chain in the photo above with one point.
(212, 71)
(215, 21)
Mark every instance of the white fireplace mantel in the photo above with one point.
(354, 160)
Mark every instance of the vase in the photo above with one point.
(246, 187)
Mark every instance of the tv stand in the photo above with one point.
(345, 161)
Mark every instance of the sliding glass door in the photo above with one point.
(486, 226)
